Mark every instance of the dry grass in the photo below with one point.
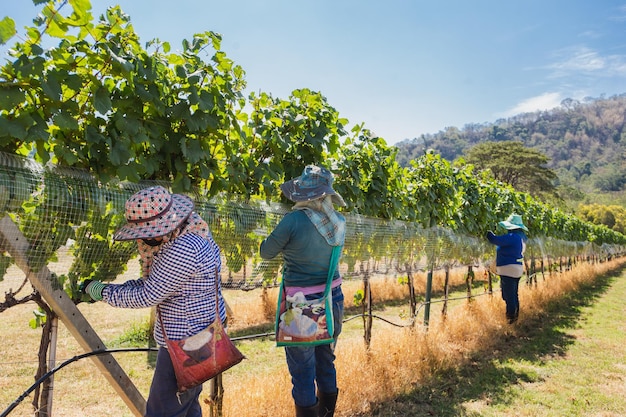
(398, 361)
(258, 307)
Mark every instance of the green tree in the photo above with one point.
(514, 164)
(612, 216)
(97, 99)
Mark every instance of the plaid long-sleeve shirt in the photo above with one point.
(181, 283)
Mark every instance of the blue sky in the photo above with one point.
(403, 67)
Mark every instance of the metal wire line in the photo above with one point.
(62, 365)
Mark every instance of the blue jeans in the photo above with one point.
(313, 365)
(510, 296)
(164, 400)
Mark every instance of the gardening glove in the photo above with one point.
(92, 289)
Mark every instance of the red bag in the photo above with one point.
(203, 356)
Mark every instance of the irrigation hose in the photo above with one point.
(63, 365)
(51, 372)
(417, 311)
(93, 353)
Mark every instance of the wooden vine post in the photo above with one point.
(469, 281)
(411, 282)
(429, 288)
(367, 306)
(429, 276)
(13, 241)
(446, 292)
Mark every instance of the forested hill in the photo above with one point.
(585, 141)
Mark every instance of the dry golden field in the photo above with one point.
(398, 360)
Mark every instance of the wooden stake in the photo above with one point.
(14, 242)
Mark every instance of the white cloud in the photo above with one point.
(616, 65)
(620, 16)
(590, 34)
(579, 59)
(545, 101)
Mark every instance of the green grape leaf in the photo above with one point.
(7, 30)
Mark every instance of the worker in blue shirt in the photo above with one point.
(510, 249)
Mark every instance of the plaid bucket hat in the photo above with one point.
(315, 182)
(153, 212)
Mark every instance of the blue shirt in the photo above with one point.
(509, 252)
(181, 283)
(306, 254)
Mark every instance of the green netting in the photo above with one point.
(68, 218)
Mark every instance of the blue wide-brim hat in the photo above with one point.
(315, 182)
(514, 221)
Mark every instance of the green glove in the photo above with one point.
(93, 289)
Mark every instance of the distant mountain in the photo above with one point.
(585, 141)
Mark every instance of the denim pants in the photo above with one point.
(510, 296)
(313, 365)
(163, 399)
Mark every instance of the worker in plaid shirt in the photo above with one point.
(179, 263)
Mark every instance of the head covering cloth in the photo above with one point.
(313, 193)
(155, 212)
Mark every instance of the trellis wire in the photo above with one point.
(50, 203)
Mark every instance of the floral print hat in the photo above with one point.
(153, 212)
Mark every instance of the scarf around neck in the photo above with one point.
(329, 223)
(194, 224)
